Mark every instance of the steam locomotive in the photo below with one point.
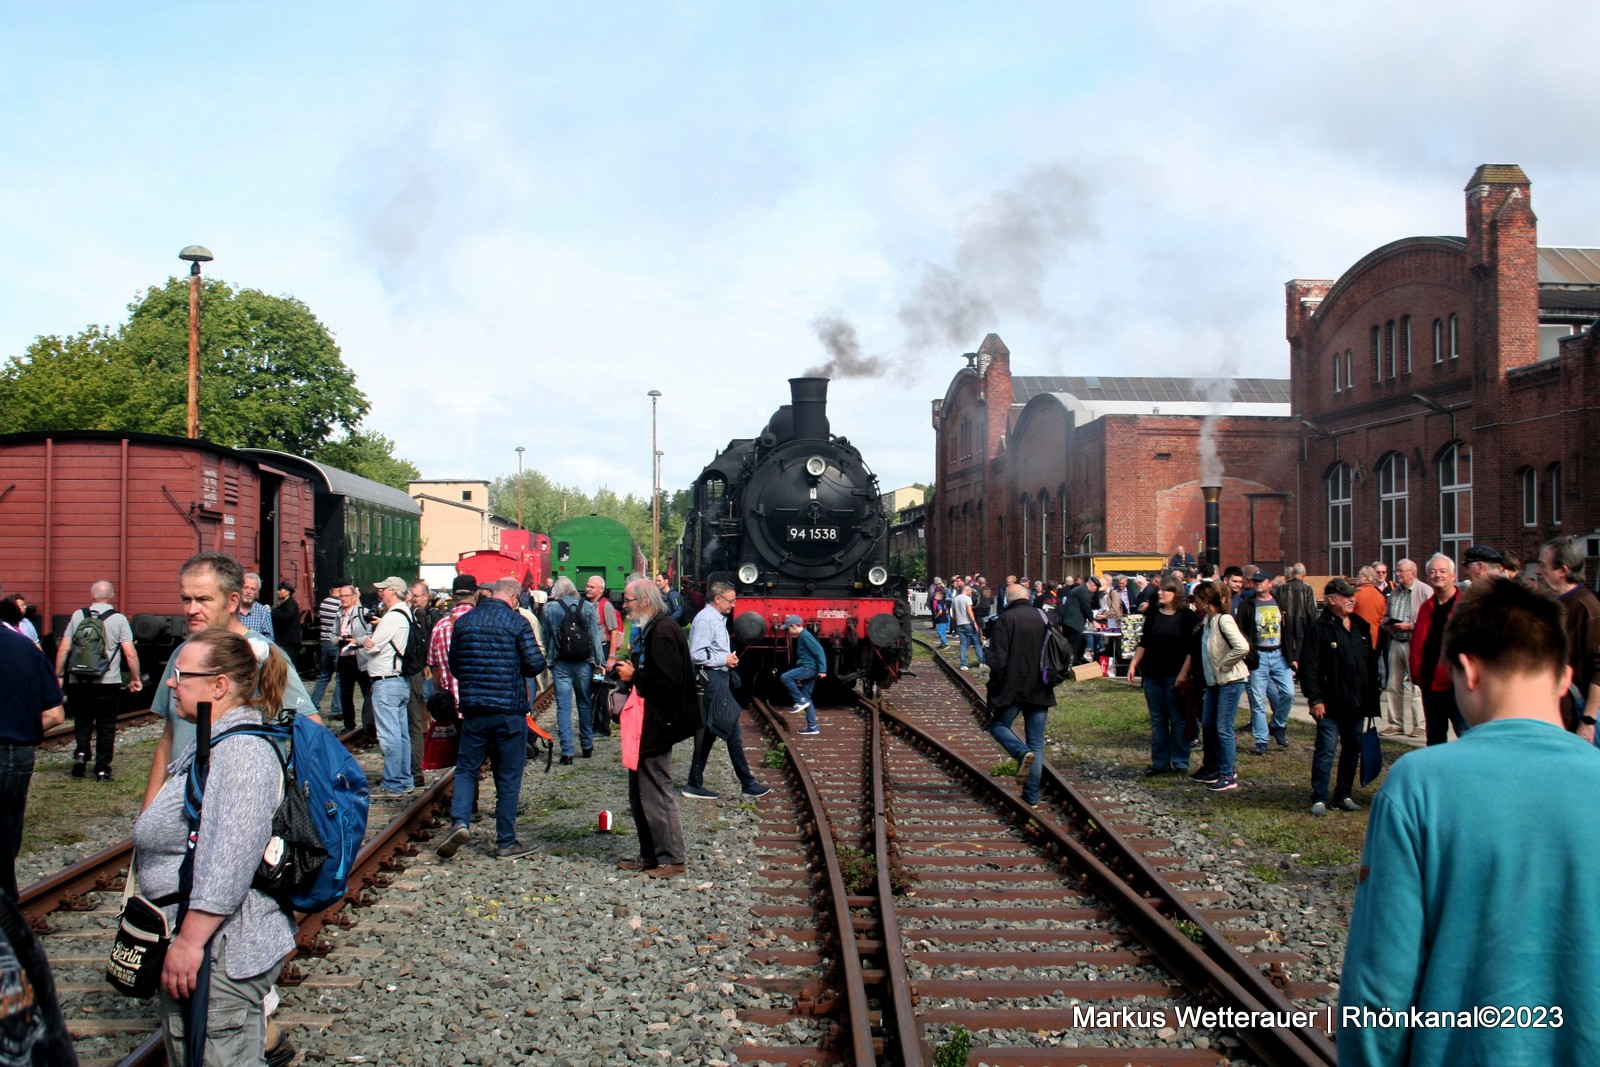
(793, 521)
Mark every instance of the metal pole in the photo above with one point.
(655, 490)
(194, 350)
(520, 450)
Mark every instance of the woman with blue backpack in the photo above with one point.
(229, 938)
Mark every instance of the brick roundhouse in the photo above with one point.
(1441, 394)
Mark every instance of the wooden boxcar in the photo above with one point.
(82, 506)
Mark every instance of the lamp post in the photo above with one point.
(520, 451)
(194, 255)
(655, 490)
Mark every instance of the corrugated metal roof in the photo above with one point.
(1153, 390)
(343, 482)
(1569, 266)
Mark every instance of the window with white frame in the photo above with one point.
(1377, 353)
(1455, 500)
(1349, 369)
(1555, 494)
(1455, 336)
(1530, 496)
(1338, 372)
(1394, 510)
(1438, 340)
(1388, 346)
(1341, 553)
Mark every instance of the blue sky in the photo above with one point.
(518, 216)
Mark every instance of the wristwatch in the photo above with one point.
(1587, 720)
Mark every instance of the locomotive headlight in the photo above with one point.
(748, 574)
(877, 576)
(816, 466)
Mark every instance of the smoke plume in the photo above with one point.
(844, 351)
(1005, 254)
(1217, 392)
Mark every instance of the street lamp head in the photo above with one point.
(653, 392)
(196, 254)
(520, 450)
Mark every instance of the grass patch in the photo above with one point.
(553, 802)
(776, 757)
(1105, 721)
(1266, 872)
(63, 810)
(566, 835)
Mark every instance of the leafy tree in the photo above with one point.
(545, 503)
(371, 455)
(271, 374)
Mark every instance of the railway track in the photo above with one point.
(65, 733)
(75, 913)
(1055, 934)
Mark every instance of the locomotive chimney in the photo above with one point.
(809, 401)
(1213, 494)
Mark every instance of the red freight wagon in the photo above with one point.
(78, 506)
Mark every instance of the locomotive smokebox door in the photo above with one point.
(750, 626)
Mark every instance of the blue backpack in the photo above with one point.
(333, 789)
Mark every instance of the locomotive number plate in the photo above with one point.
(813, 533)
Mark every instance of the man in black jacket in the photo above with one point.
(492, 649)
(1017, 686)
(1075, 611)
(1339, 676)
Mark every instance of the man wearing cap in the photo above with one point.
(810, 664)
(464, 593)
(1339, 676)
(1017, 687)
(1483, 561)
(390, 690)
(286, 620)
(1261, 623)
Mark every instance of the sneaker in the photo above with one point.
(419, 782)
(756, 789)
(513, 850)
(565, 761)
(102, 776)
(452, 844)
(962, 667)
(1024, 765)
(1319, 808)
(810, 731)
(1223, 784)
(587, 753)
(80, 766)
(1348, 805)
(1261, 748)
(281, 1054)
(1153, 772)
(698, 792)
(1205, 777)
(1283, 737)
(800, 708)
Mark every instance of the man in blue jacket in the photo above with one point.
(492, 651)
(810, 664)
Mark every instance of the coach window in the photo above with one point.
(1555, 494)
(1394, 510)
(1455, 336)
(1455, 500)
(1341, 553)
(1438, 340)
(1377, 354)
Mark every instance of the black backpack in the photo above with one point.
(573, 641)
(1055, 656)
(414, 657)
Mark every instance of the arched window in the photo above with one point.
(1026, 515)
(1529, 481)
(1388, 337)
(1394, 510)
(1349, 369)
(1087, 545)
(1341, 554)
(1044, 535)
(1377, 354)
(1555, 494)
(1438, 340)
(1405, 345)
(1455, 500)
(1455, 336)
(1061, 506)
(1338, 372)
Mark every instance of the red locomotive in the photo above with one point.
(523, 555)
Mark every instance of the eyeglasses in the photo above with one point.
(630, 600)
(726, 597)
(178, 676)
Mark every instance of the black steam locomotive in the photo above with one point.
(793, 521)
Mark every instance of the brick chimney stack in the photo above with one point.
(1503, 262)
(994, 367)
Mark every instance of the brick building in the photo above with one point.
(1444, 386)
(1036, 473)
(1443, 392)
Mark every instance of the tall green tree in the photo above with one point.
(370, 455)
(271, 373)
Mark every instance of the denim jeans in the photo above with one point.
(969, 636)
(503, 740)
(1169, 734)
(1220, 708)
(718, 688)
(1270, 683)
(327, 674)
(572, 681)
(1341, 732)
(800, 682)
(16, 772)
(390, 697)
(942, 628)
(1033, 720)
